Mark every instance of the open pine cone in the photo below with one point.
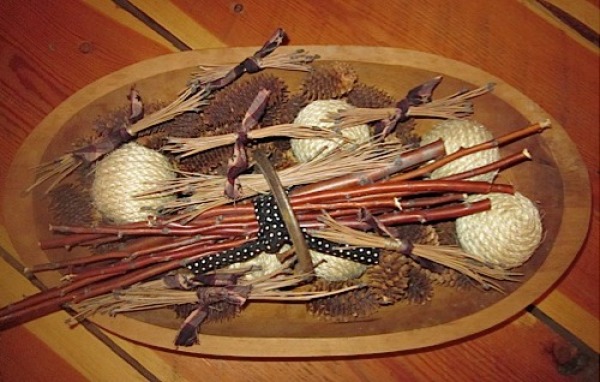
(343, 307)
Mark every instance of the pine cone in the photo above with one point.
(388, 280)
(329, 82)
(230, 104)
(367, 96)
(446, 232)
(418, 234)
(213, 161)
(343, 307)
(450, 278)
(71, 204)
(114, 119)
(419, 289)
(149, 108)
(287, 111)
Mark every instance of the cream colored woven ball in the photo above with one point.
(262, 265)
(327, 267)
(313, 115)
(332, 268)
(124, 174)
(507, 235)
(463, 133)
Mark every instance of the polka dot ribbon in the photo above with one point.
(272, 235)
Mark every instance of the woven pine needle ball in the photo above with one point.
(313, 115)
(505, 236)
(122, 176)
(327, 267)
(463, 133)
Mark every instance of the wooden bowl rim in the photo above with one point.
(570, 237)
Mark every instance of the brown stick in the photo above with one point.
(505, 139)
(305, 265)
(410, 187)
(509, 161)
(402, 162)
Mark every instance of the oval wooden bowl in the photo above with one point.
(556, 179)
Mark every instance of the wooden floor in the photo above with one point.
(546, 49)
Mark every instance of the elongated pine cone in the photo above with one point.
(405, 134)
(329, 82)
(343, 307)
(71, 204)
(213, 161)
(288, 110)
(418, 234)
(368, 96)
(230, 104)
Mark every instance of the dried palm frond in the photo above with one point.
(190, 146)
(156, 294)
(189, 100)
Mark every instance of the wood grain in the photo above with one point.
(503, 38)
(43, 61)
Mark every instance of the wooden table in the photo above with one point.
(546, 49)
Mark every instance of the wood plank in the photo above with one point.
(97, 362)
(114, 12)
(43, 61)
(17, 349)
(580, 20)
(493, 356)
(572, 317)
(184, 27)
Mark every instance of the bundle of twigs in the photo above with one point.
(166, 246)
(367, 163)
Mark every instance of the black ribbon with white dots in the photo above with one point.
(272, 235)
